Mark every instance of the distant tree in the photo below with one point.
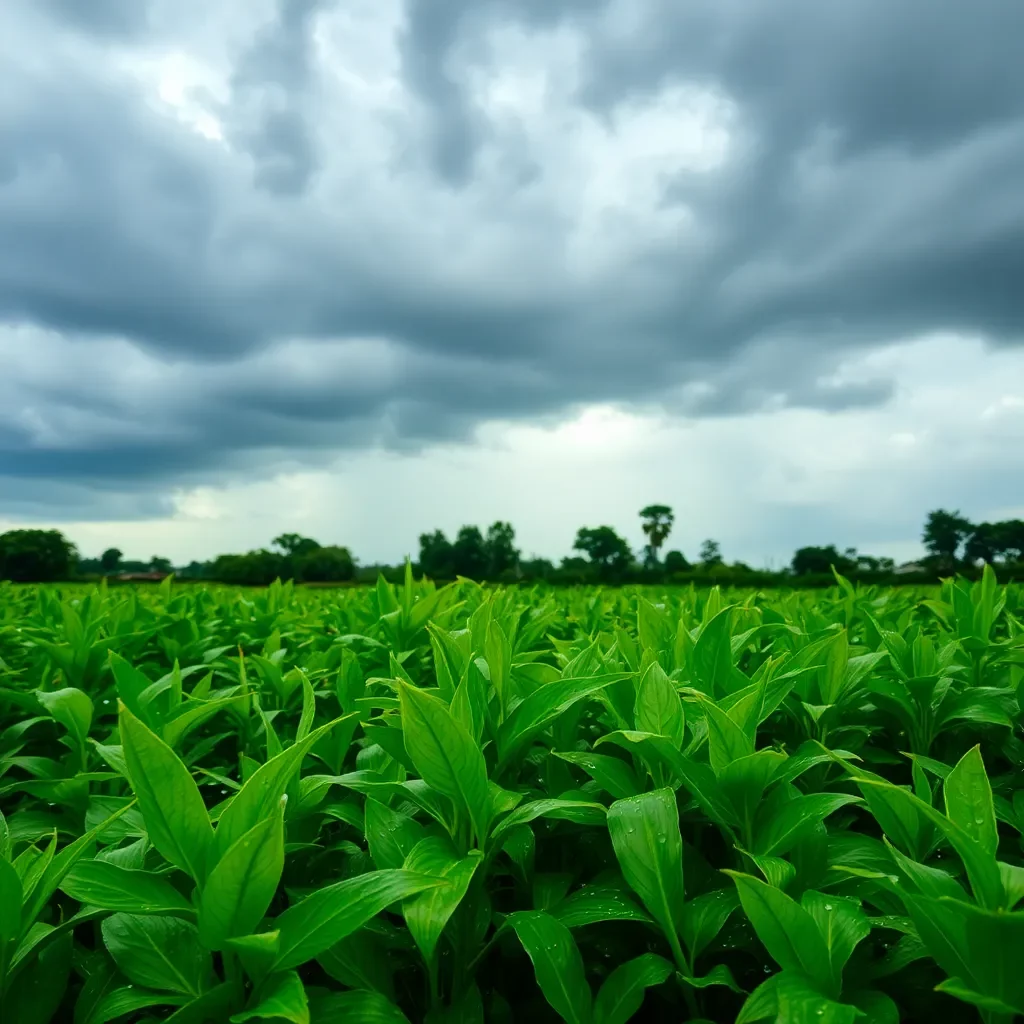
(608, 552)
(675, 562)
(437, 560)
(869, 563)
(329, 564)
(575, 570)
(469, 553)
(536, 569)
(990, 542)
(294, 545)
(158, 564)
(36, 556)
(810, 561)
(501, 550)
(195, 571)
(253, 569)
(983, 543)
(1011, 539)
(111, 559)
(944, 532)
(710, 554)
(657, 525)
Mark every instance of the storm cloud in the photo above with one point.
(238, 241)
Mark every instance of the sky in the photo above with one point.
(362, 269)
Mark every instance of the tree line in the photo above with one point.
(599, 555)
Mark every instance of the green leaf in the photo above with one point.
(743, 782)
(957, 988)
(213, 1005)
(762, 1004)
(802, 1003)
(658, 708)
(649, 848)
(704, 917)
(698, 778)
(446, 755)
(52, 869)
(427, 913)
(35, 994)
(331, 913)
(10, 912)
(712, 654)
(362, 960)
(99, 883)
(257, 952)
(72, 708)
(726, 740)
(785, 825)
(264, 788)
(969, 803)
(788, 932)
(191, 714)
(355, 1008)
(556, 962)
(131, 684)
(542, 707)
(982, 869)
(390, 835)
(612, 774)
(282, 997)
(498, 653)
(573, 810)
(991, 944)
(622, 993)
(176, 818)
(122, 1001)
(842, 924)
(158, 952)
(718, 975)
(242, 885)
(593, 904)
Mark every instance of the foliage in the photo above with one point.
(609, 554)
(944, 532)
(472, 555)
(675, 562)
(657, 525)
(35, 556)
(411, 803)
(111, 559)
(821, 560)
(710, 553)
(330, 564)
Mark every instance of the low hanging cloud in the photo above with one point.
(255, 239)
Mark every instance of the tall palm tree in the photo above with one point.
(657, 524)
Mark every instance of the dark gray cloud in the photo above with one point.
(191, 301)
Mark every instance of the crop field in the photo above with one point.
(466, 804)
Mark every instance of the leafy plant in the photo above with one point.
(466, 804)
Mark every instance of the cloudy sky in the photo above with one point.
(362, 268)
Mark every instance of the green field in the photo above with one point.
(472, 804)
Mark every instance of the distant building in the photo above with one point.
(141, 577)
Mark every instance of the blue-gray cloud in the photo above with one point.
(870, 191)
